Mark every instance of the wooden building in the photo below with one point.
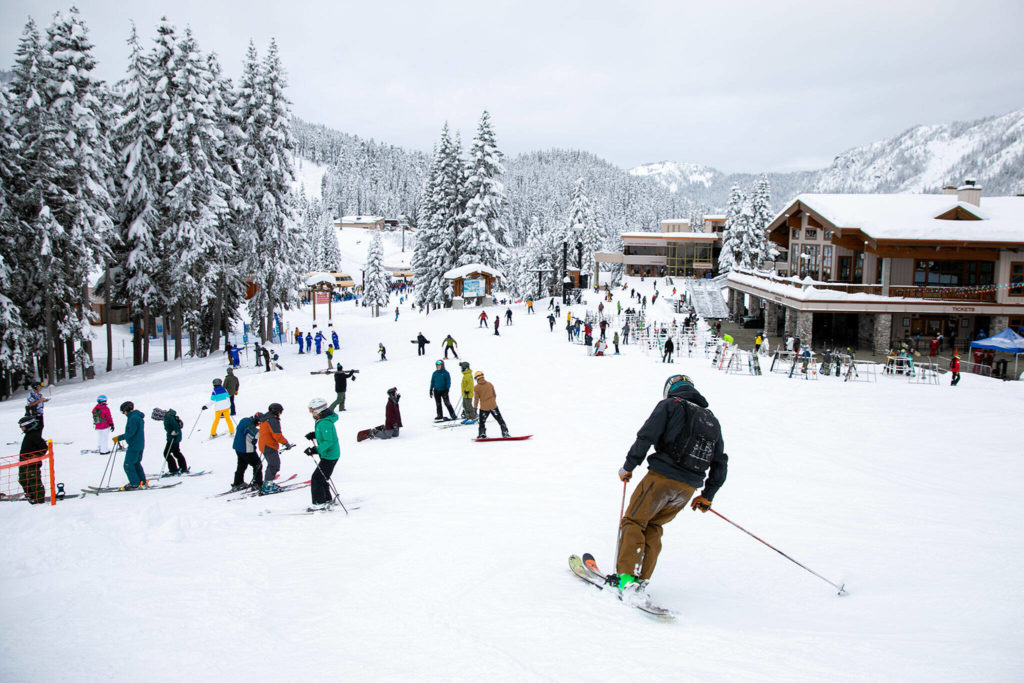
(473, 281)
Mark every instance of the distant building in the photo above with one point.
(675, 251)
(360, 222)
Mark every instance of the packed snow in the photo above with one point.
(452, 562)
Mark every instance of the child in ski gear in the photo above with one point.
(382, 351)
(392, 418)
(688, 444)
(32, 446)
(330, 356)
(270, 441)
(326, 445)
(309, 342)
(34, 402)
(468, 411)
(440, 384)
(318, 340)
(102, 420)
(217, 399)
(230, 384)
(483, 319)
(298, 339)
(233, 354)
(450, 344)
(245, 450)
(135, 436)
(334, 339)
(172, 452)
(341, 378)
(421, 344)
(487, 399)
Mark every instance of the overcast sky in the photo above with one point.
(741, 85)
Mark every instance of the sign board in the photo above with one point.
(322, 297)
(473, 288)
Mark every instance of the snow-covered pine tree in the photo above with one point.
(761, 216)
(376, 294)
(483, 232)
(15, 345)
(583, 226)
(450, 213)
(331, 254)
(729, 256)
(423, 260)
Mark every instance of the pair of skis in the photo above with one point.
(114, 489)
(244, 489)
(587, 570)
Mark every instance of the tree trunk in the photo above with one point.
(106, 312)
(218, 316)
(58, 347)
(136, 337)
(72, 373)
(177, 331)
(164, 328)
(145, 335)
(51, 361)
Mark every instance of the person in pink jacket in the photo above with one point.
(103, 421)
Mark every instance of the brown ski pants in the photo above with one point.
(655, 502)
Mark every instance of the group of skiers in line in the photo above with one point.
(311, 340)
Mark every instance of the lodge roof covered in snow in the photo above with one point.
(469, 269)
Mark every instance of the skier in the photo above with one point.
(245, 449)
(954, 369)
(440, 384)
(172, 451)
(670, 346)
(421, 344)
(392, 418)
(382, 351)
(615, 342)
(625, 334)
(508, 316)
(32, 446)
(468, 411)
(551, 322)
(309, 342)
(487, 399)
(270, 441)
(233, 354)
(341, 378)
(34, 402)
(604, 326)
(298, 338)
(588, 333)
(217, 398)
(318, 340)
(330, 357)
(450, 344)
(568, 330)
(497, 321)
(231, 385)
(335, 341)
(483, 319)
(687, 439)
(102, 420)
(396, 314)
(135, 435)
(259, 354)
(266, 359)
(325, 439)
(529, 306)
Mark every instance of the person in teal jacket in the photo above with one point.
(440, 383)
(172, 451)
(325, 438)
(134, 435)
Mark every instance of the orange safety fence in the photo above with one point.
(28, 477)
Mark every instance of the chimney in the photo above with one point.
(969, 192)
(949, 189)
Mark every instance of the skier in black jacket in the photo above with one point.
(341, 378)
(688, 447)
(32, 446)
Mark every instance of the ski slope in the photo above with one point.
(707, 298)
(453, 567)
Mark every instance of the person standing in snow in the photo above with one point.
(450, 344)
(257, 351)
(326, 447)
(172, 451)
(551, 322)
(270, 442)
(35, 402)
(298, 338)
(330, 357)
(670, 346)
(245, 450)
(568, 330)
(421, 344)
(615, 342)
(217, 399)
(483, 319)
(231, 385)
(468, 411)
(392, 418)
(318, 340)
(508, 316)
(33, 445)
(266, 359)
(309, 342)
(688, 444)
(440, 384)
(341, 378)
(396, 314)
(135, 436)
(382, 351)
(954, 369)
(234, 354)
(335, 342)
(758, 340)
(487, 399)
(102, 420)
(497, 321)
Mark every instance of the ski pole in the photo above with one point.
(842, 589)
(194, 424)
(337, 496)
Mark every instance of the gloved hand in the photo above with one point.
(206, 407)
(700, 503)
(624, 475)
(431, 392)
(310, 451)
(311, 436)
(116, 439)
(111, 427)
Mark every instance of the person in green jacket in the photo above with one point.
(468, 411)
(172, 452)
(325, 438)
(134, 435)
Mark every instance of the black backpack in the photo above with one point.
(693, 452)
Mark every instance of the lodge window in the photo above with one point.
(812, 234)
(826, 263)
(1017, 279)
(796, 233)
(810, 263)
(828, 234)
(954, 273)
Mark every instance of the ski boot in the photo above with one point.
(239, 487)
(268, 488)
(505, 435)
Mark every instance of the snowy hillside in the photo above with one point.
(452, 562)
(353, 244)
(309, 176)
(676, 176)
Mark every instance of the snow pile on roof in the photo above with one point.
(361, 219)
(320, 278)
(463, 271)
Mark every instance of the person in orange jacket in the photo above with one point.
(270, 441)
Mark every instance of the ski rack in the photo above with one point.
(859, 370)
(926, 373)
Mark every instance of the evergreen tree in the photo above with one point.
(582, 225)
(729, 256)
(376, 293)
(482, 238)
(450, 214)
(330, 253)
(423, 260)
(15, 343)
(761, 216)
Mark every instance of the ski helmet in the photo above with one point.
(29, 423)
(101, 398)
(478, 374)
(317, 406)
(216, 381)
(257, 418)
(440, 362)
(275, 409)
(674, 383)
(127, 407)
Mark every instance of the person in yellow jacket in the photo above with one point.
(468, 411)
(758, 340)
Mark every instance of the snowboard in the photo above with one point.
(505, 438)
(364, 434)
(586, 569)
(320, 372)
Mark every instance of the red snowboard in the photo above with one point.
(507, 438)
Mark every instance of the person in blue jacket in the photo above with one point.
(309, 341)
(334, 339)
(134, 436)
(440, 383)
(318, 340)
(245, 448)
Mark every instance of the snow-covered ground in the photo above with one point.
(354, 242)
(452, 566)
(309, 177)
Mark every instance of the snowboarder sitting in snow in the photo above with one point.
(487, 399)
(687, 440)
(392, 418)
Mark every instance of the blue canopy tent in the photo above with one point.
(1006, 341)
